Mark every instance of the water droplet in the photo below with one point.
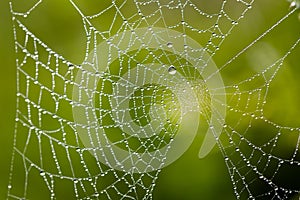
(293, 4)
(261, 177)
(9, 186)
(42, 173)
(172, 70)
(170, 44)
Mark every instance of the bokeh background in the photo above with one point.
(8, 89)
(190, 177)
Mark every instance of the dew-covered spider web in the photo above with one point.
(148, 84)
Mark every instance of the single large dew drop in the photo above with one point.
(170, 44)
(42, 173)
(172, 70)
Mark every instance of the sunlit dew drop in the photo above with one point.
(170, 44)
(172, 70)
(293, 4)
(42, 173)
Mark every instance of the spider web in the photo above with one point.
(105, 128)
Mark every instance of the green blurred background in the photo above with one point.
(189, 177)
(8, 96)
